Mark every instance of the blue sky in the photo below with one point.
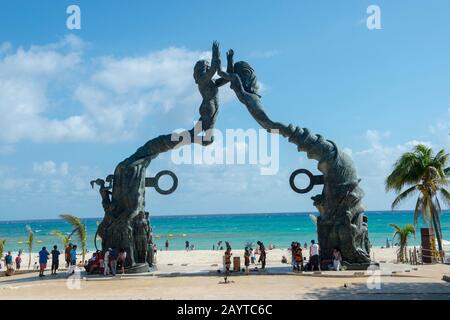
(74, 103)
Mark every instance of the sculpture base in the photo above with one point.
(359, 266)
(138, 268)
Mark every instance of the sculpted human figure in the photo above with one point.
(140, 233)
(342, 222)
(105, 192)
(208, 88)
(245, 85)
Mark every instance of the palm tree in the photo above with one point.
(64, 238)
(2, 247)
(423, 173)
(403, 234)
(79, 228)
(30, 244)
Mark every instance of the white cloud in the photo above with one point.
(375, 163)
(109, 98)
(51, 168)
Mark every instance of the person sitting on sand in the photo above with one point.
(43, 258)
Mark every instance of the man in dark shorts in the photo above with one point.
(55, 259)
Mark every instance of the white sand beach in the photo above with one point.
(193, 275)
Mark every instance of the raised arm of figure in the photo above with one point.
(214, 62)
(222, 81)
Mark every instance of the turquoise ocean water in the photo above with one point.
(203, 231)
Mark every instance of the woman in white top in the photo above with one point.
(337, 259)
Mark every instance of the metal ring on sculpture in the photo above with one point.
(313, 180)
(166, 173)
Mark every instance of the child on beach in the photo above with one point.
(252, 256)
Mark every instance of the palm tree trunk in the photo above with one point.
(436, 228)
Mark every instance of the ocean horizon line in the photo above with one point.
(215, 214)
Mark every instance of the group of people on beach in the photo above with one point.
(297, 257)
(70, 258)
(107, 263)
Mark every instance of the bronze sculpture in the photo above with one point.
(341, 224)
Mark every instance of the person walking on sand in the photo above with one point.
(43, 258)
(227, 258)
(314, 256)
(186, 245)
(262, 254)
(247, 255)
(55, 259)
(167, 244)
(67, 251)
(9, 261)
(18, 261)
(73, 260)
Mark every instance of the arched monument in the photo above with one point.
(341, 223)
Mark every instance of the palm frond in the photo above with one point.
(402, 196)
(65, 239)
(79, 228)
(445, 195)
